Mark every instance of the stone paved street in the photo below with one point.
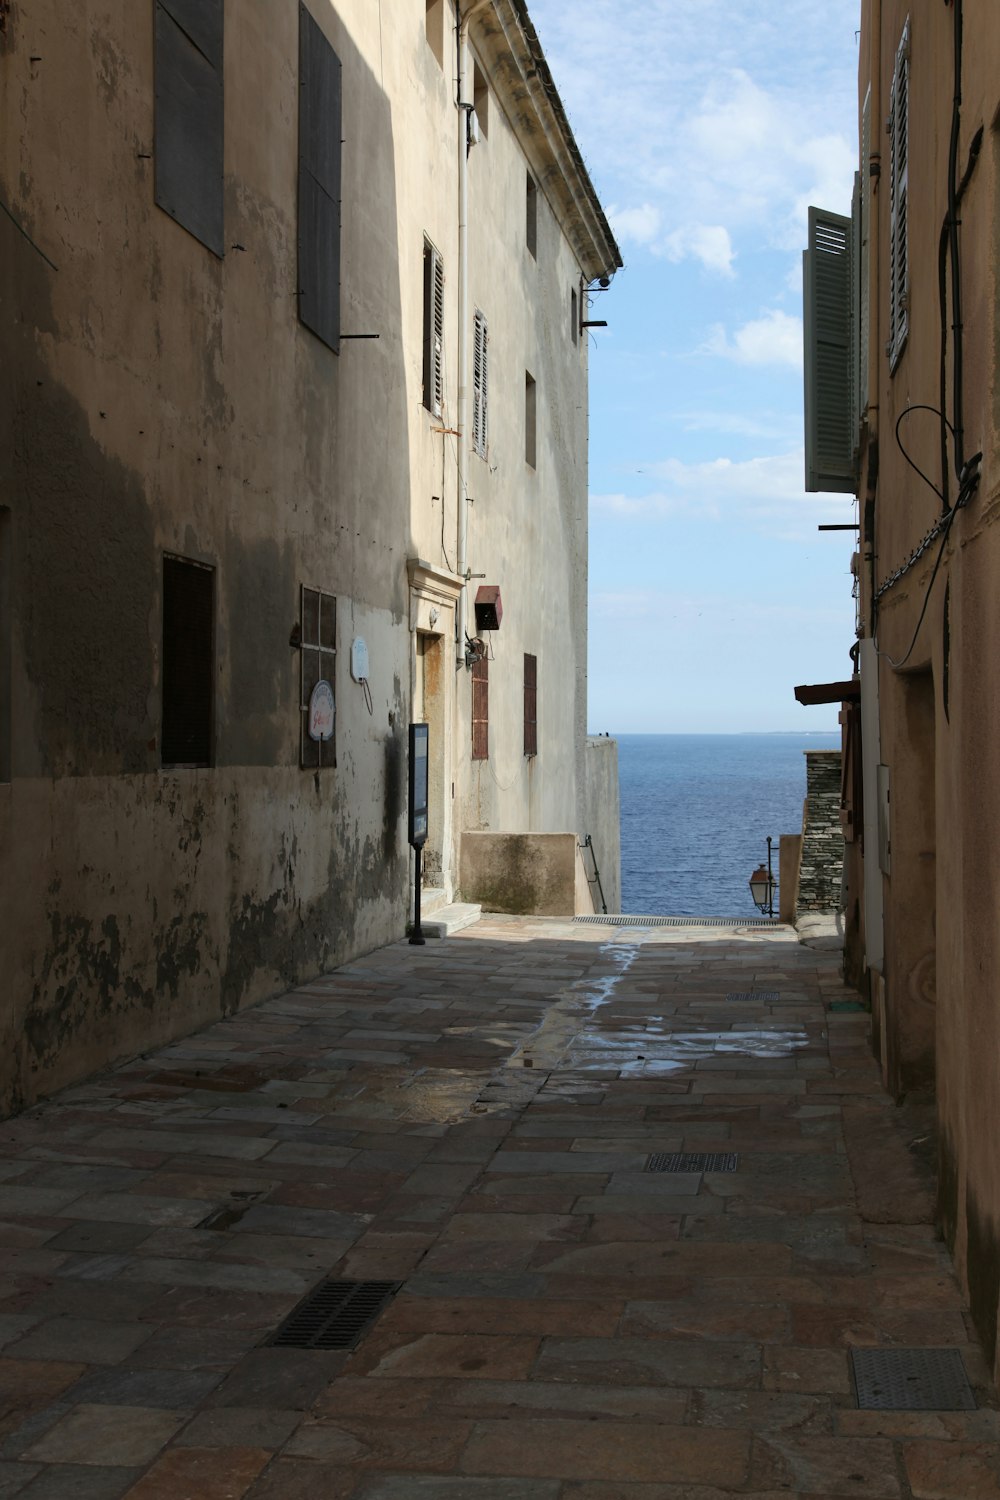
(473, 1119)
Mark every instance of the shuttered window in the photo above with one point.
(187, 670)
(530, 704)
(481, 709)
(188, 116)
(829, 345)
(531, 215)
(480, 386)
(318, 649)
(320, 111)
(433, 330)
(862, 275)
(530, 420)
(899, 267)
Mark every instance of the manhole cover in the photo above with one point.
(752, 995)
(693, 1161)
(335, 1314)
(911, 1380)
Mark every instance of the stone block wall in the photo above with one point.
(822, 839)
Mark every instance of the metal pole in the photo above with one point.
(770, 880)
(417, 936)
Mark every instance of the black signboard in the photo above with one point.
(418, 785)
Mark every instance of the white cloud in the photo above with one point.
(774, 339)
(767, 491)
(639, 226)
(709, 243)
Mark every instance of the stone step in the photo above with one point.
(449, 919)
(432, 898)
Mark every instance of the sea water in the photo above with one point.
(696, 810)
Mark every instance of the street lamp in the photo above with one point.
(763, 885)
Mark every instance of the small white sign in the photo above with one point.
(359, 659)
(322, 711)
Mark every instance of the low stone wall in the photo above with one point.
(821, 870)
(521, 874)
(602, 818)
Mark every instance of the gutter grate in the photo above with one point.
(911, 1380)
(615, 919)
(334, 1315)
(693, 1161)
(753, 995)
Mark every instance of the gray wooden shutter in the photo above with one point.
(862, 273)
(480, 386)
(899, 264)
(433, 330)
(827, 308)
(320, 110)
(189, 117)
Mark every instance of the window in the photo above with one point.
(481, 709)
(6, 603)
(828, 383)
(480, 385)
(188, 117)
(899, 270)
(434, 22)
(530, 704)
(481, 100)
(531, 216)
(187, 667)
(529, 419)
(319, 183)
(574, 316)
(433, 330)
(318, 661)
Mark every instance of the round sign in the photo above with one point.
(322, 711)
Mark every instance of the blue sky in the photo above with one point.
(708, 127)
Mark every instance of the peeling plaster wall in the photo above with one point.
(154, 398)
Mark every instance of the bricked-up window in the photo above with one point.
(187, 677)
(319, 183)
(318, 625)
(188, 117)
(530, 704)
(433, 396)
(481, 709)
(531, 215)
(530, 420)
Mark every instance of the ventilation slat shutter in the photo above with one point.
(189, 117)
(480, 386)
(827, 308)
(320, 111)
(530, 704)
(899, 287)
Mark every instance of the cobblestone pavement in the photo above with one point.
(473, 1119)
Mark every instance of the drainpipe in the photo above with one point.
(464, 16)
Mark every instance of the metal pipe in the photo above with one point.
(463, 105)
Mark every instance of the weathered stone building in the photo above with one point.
(292, 364)
(903, 412)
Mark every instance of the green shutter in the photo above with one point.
(829, 386)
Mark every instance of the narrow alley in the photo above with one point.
(633, 1195)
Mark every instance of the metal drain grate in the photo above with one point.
(911, 1380)
(693, 1161)
(335, 1314)
(615, 919)
(752, 995)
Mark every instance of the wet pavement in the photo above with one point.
(474, 1120)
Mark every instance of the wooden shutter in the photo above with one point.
(189, 117)
(852, 821)
(530, 704)
(827, 324)
(320, 111)
(899, 266)
(433, 330)
(187, 666)
(480, 386)
(862, 273)
(481, 709)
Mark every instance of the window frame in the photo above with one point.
(316, 755)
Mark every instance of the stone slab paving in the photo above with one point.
(473, 1120)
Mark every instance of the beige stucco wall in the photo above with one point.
(934, 993)
(155, 398)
